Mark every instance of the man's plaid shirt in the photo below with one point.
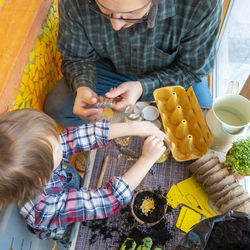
(51, 212)
(178, 50)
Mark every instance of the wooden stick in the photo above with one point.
(104, 166)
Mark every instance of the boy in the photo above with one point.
(35, 171)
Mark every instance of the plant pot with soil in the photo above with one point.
(148, 207)
(238, 158)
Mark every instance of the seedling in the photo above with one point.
(238, 157)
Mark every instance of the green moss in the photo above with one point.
(238, 158)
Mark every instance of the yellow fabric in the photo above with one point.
(43, 68)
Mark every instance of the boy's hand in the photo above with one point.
(153, 148)
(146, 128)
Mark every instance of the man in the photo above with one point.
(129, 48)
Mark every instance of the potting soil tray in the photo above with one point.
(183, 122)
(110, 233)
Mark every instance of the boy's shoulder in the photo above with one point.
(53, 188)
(57, 180)
(63, 177)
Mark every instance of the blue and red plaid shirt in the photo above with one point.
(51, 212)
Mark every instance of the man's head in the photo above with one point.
(26, 154)
(122, 13)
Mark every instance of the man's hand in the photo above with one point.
(85, 98)
(129, 93)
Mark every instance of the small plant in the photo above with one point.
(238, 157)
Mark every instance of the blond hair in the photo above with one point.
(26, 156)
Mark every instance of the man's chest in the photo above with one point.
(137, 50)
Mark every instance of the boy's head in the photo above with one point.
(26, 154)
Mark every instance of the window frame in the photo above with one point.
(227, 6)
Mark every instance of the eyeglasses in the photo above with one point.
(94, 7)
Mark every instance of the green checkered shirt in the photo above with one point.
(178, 50)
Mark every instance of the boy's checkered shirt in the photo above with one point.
(51, 212)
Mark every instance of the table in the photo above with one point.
(111, 232)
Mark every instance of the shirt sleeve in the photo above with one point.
(85, 137)
(54, 212)
(196, 53)
(78, 65)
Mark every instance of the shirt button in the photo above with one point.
(64, 166)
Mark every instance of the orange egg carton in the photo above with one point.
(183, 122)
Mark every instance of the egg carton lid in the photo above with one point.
(206, 134)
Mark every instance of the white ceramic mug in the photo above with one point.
(228, 118)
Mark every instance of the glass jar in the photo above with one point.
(132, 113)
(165, 155)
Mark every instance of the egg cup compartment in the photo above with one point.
(183, 122)
(176, 115)
(181, 130)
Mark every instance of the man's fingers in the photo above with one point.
(86, 95)
(91, 101)
(86, 101)
(90, 112)
(121, 105)
(115, 92)
(85, 113)
(93, 117)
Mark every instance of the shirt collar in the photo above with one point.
(166, 9)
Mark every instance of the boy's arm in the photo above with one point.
(136, 128)
(54, 211)
(93, 135)
(84, 138)
(152, 149)
(137, 172)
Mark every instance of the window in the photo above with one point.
(233, 49)
(233, 53)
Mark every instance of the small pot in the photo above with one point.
(237, 177)
(149, 217)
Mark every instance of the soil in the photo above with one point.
(129, 244)
(128, 227)
(230, 235)
(156, 214)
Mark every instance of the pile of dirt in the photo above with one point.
(160, 233)
(230, 235)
